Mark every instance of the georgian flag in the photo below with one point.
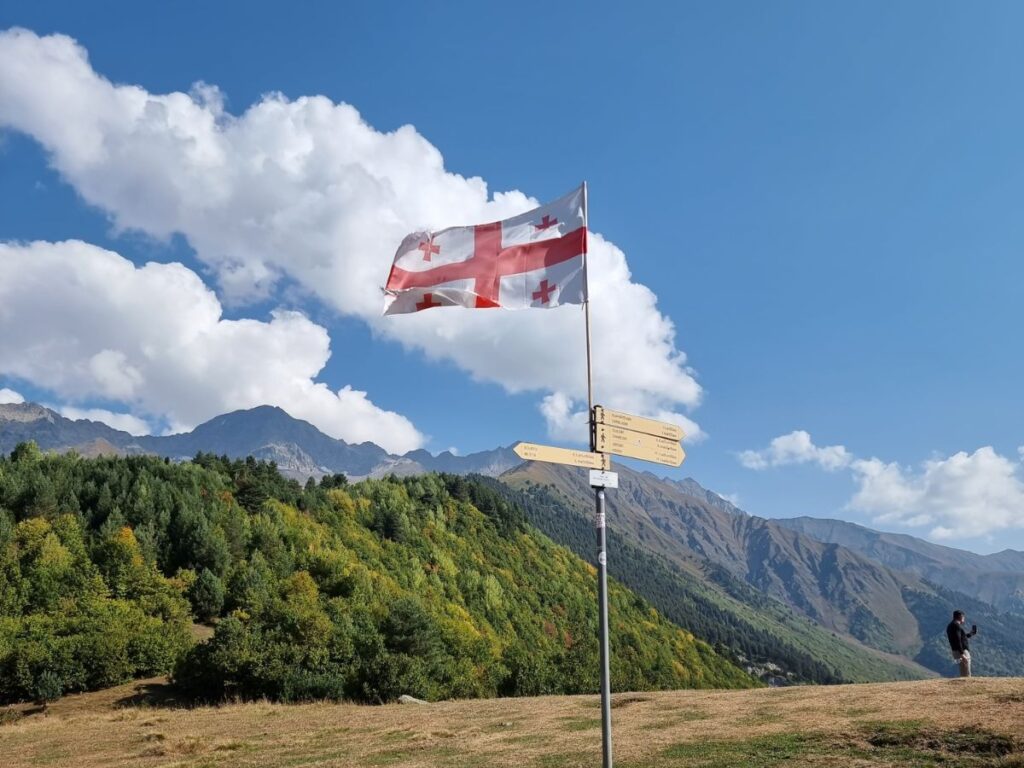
(531, 260)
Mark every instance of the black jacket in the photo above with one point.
(957, 637)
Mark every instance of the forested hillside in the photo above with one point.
(433, 586)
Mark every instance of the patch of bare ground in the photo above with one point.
(977, 722)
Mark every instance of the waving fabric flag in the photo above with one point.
(531, 260)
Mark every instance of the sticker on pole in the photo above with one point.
(602, 479)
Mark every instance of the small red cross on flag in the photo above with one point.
(428, 248)
(543, 292)
(535, 259)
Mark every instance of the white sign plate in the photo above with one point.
(601, 479)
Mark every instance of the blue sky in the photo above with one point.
(824, 198)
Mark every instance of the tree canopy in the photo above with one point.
(433, 586)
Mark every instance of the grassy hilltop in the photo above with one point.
(969, 724)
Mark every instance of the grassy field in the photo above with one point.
(978, 722)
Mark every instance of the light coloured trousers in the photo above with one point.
(964, 662)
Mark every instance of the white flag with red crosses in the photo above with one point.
(531, 260)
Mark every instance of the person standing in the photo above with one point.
(958, 642)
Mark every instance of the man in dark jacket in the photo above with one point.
(958, 642)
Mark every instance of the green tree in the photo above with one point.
(207, 595)
(47, 688)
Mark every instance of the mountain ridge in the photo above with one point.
(266, 432)
(996, 578)
(836, 587)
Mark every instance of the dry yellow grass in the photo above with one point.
(971, 722)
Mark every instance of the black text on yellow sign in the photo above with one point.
(555, 455)
(637, 445)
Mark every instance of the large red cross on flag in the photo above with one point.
(535, 259)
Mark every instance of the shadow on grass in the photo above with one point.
(880, 743)
(157, 695)
(961, 742)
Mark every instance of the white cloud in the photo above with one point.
(964, 495)
(86, 323)
(564, 422)
(796, 448)
(8, 396)
(115, 376)
(961, 496)
(304, 189)
(123, 421)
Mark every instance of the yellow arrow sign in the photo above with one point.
(637, 423)
(549, 453)
(637, 445)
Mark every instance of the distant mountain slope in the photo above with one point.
(267, 433)
(299, 449)
(764, 635)
(23, 422)
(836, 587)
(997, 579)
(488, 463)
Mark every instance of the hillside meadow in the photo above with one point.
(924, 723)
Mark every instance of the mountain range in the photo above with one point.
(997, 578)
(858, 603)
(299, 449)
(838, 588)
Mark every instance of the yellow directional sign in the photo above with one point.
(534, 452)
(637, 445)
(637, 423)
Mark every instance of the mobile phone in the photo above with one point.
(974, 627)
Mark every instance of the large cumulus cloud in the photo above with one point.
(88, 324)
(304, 190)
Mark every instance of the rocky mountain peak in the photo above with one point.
(25, 413)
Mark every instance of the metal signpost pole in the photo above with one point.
(602, 599)
(602, 554)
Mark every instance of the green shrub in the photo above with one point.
(47, 687)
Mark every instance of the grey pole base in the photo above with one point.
(602, 600)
